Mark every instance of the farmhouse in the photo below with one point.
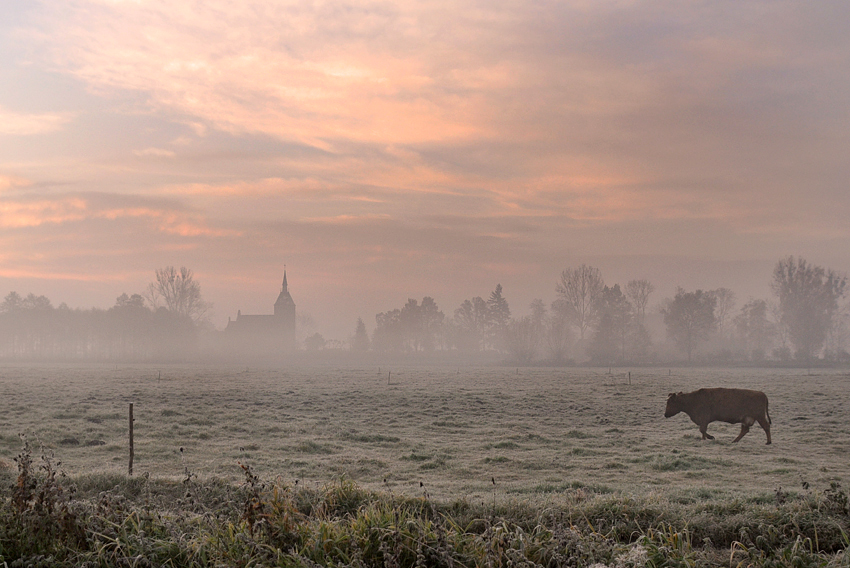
(270, 333)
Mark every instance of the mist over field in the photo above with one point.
(805, 321)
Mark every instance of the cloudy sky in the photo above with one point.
(386, 150)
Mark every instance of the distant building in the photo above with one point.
(267, 333)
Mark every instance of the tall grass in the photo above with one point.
(47, 519)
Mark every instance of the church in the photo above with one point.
(270, 333)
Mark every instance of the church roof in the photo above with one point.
(284, 299)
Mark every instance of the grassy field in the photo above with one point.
(404, 467)
(449, 433)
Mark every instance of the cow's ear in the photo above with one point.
(671, 395)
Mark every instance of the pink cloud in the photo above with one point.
(13, 182)
(30, 124)
(155, 152)
(31, 213)
(18, 214)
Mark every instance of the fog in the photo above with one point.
(583, 316)
(402, 151)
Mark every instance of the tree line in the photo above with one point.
(591, 321)
(477, 325)
(161, 324)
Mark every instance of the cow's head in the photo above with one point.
(674, 405)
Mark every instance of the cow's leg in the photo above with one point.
(705, 435)
(745, 427)
(766, 425)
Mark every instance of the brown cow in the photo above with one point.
(735, 406)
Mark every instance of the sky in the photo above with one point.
(381, 151)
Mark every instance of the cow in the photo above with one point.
(735, 406)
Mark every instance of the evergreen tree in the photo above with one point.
(360, 341)
(499, 317)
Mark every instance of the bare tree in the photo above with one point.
(808, 302)
(723, 310)
(178, 292)
(580, 289)
(638, 292)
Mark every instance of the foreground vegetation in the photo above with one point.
(423, 466)
(47, 519)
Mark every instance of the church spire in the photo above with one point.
(284, 300)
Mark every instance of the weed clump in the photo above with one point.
(39, 518)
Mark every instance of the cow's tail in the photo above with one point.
(766, 411)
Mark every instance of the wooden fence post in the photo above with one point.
(130, 468)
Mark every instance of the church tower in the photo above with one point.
(284, 314)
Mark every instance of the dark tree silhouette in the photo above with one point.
(31, 328)
(178, 292)
(410, 319)
(615, 316)
(472, 320)
(808, 301)
(559, 335)
(360, 341)
(539, 316)
(754, 330)
(578, 290)
(132, 328)
(690, 319)
(431, 323)
(415, 327)
(388, 334)
(723, 310)
(499, 318)
(638, 293)
(11, 303)
(315, 342)
(521, 340)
